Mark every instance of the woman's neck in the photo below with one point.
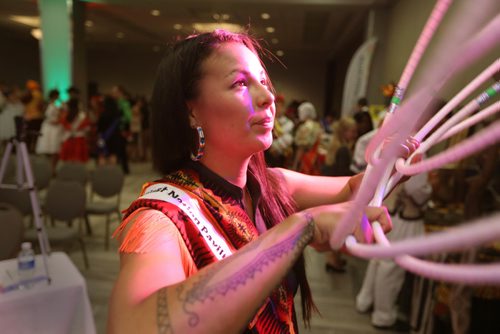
(233, 170)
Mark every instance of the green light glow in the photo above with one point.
(55, 45)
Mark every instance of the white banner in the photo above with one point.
(356, 80)
(190, 207)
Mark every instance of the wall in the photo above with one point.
(133, 69)
(302, 79)
(407, 19)
(19, 59)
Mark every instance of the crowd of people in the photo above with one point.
(110, 128)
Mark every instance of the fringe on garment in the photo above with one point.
(143, 235)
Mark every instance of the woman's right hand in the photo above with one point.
(327, 217)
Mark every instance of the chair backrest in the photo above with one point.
(107, 181)
(20, 199)
(72, 171)
(11, 231)
(65, 200)
(42, 172)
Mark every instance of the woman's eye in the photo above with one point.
(264, 82)
(240, 83)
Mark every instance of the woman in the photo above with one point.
(340, 149)
(50, 139)
(109, 133)
(75, 125)
(307, 140)
(215, 246)
(337, 163)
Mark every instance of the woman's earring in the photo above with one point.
(201, 145)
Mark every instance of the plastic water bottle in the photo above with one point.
(26, 265)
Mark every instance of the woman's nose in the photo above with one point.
(264, 96)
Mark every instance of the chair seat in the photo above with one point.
(100, 208)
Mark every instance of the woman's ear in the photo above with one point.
(193, 122)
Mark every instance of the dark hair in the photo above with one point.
(72, 109)
(363, 118)
(363, 101)
(54, 94)
(173, 138)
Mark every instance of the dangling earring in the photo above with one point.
(201, 145)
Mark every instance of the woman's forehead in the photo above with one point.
(233, 56)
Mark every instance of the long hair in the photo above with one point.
(173, 138)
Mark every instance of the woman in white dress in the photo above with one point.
(50, 139)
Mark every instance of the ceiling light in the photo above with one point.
(37, 33)
(280, 53)
(216, 16)
(155, 12)
(226, 17)
(208, 27)
(270, 29)
(32, 21)
(120, 35)
(177, 26)
(265, 16)
(89, 24)
(275, 41)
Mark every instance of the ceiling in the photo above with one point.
(301, 27)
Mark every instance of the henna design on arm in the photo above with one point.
(205, 289)
(162, 316)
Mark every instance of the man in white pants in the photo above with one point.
(384, 278)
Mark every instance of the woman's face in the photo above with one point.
(234, 106)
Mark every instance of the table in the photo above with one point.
(61, 307)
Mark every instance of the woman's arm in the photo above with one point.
(221, 298)
(224, 296)
(309, 191)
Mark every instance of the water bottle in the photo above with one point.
(26, 265)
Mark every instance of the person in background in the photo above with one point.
(364, 122)
(281, 151)
(340, 149)
(338, 159)
(12, 108)
(135, 144)
(76, 124)
(384, 277)
(33, 113)
(307, 139)
(50, 139)
(121, 97)
(216, 245)
(108, 131)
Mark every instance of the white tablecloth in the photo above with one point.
(61, 307)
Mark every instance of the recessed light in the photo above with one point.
(265, 16)
(275, 41)
(37, 33)
(120, 35)
(155, 12)
(280, 53)
(89, 23)
(177, 26)
(270, 29)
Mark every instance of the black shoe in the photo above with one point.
(398, 326)
(330, 268)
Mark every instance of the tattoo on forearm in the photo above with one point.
(205, 289)
(162, 316)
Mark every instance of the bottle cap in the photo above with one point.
(26, 245)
